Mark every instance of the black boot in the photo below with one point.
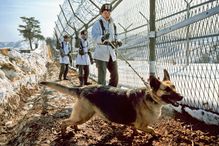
(86, 82)
(66, 72)
(62, 68)
(60, 77)
(81, 79)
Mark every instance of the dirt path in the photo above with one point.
(37, 123)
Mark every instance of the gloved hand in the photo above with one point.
(92, 61)
(81, 51)
(105, 37)
(119, 43)
(69, 54)
(106, 42)
(62, 54)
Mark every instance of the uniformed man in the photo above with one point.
(103, 32)
(64, 58)
(83, 59)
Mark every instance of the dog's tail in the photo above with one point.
(63, 89)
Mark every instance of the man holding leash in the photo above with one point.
(83, 59)
(103, 33)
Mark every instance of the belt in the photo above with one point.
(85, 53)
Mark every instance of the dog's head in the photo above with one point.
(164, 91)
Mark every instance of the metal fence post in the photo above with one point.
(187, 31)
(152, 39)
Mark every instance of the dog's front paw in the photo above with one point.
(155, 134)
(150, 130)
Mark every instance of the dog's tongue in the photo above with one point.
(173, 102)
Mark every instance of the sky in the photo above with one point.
(45, 11)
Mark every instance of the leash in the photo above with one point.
(142, 79)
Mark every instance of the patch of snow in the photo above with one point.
(207, 117)
(21, 69)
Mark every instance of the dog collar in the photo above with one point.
(150, 98)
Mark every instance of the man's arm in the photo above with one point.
(62, 53)
(96, 33)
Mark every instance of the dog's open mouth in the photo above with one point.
(172, 99)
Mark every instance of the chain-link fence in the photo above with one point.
(187, 43)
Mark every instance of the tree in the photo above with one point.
(30, 30)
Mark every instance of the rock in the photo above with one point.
(9, 124)
(36, 115)
(2, 74)
(13, 102)
(4, 51)
(12, 75)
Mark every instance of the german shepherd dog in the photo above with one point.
(134, 107)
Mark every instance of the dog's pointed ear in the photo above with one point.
(154, 83)
(166, 75)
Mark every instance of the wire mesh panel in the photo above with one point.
(131, 18)
(187, 44)
(191, 53)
